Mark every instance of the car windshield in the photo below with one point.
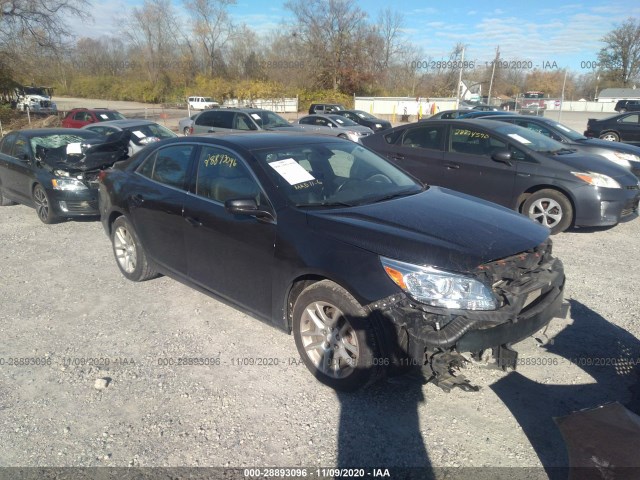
(58, 140)
(530, 139)
(343, 121)
(329, 174)
(568, 132)
(267, 119)
(105, 116)
(153, 130)
(363, 114)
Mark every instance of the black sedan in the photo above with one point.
(625, 155)
(515, 167)
(56, 170)
(368, 267)
(363, 118)
(617, 128)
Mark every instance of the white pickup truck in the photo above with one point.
(35, 100)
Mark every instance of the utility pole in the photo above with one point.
(460, 78)
(493, 71)
(562, 97)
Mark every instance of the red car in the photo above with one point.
(79, 117)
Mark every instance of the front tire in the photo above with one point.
(335, 337)
(43, 206)
(610, 137)
(129, 253)
(549, 208)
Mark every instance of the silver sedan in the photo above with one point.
(335, 125)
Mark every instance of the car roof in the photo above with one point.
(38, 132)
(237, 109)
(262, 139)
(125, 123)
(95, 109)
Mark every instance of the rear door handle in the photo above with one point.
(194, 222)
(523, 174)
(397, 157)
(452, 166)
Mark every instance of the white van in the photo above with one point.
(201, 103)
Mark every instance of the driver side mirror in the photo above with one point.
(502, 156)
(247, 206)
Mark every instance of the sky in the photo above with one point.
(543, 33)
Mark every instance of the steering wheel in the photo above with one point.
(379, 178)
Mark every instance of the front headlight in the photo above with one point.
(438, 288)
(68, 184)
(597, 179)
(621, 158)
(378, 125)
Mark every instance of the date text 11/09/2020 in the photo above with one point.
(501, 64)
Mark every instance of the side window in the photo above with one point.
(322, 122)
(7, 144)
(21, 147)
(519, 155)
(205, 119)
(424, 137)
(242, 122)
(306, 121)
(169, 165)
(474, 142)
(79, 116)
(631, 119)
(222, 119)
(222, 176)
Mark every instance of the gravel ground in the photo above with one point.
(93, 385)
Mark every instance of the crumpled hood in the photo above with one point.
(89, 155)
(438, 227)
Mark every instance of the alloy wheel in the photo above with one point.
(546, 211)
(329, 340)
(42, 203)
(125, 249)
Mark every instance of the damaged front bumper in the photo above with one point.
(530, 288)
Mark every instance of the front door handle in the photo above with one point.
(452, 166)
(397, 157)
(194, 222)
(523, 174)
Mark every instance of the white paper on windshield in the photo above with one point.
(562, 127)
(520, 139)
(291, 171)
(255, 116)
(338, 120)
(138, 134)
(74, 148)
(102, 115)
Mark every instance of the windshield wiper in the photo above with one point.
(560, 151)
(325, 204)
(403, 193)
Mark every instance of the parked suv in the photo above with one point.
(79, 117)
(627, 106)
(240, 119)
(321, 108)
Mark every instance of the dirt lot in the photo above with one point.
(68, 318)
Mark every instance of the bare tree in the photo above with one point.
(212, 28)
(150, 30)
(329, 30)
(44, 21)
(619, 59)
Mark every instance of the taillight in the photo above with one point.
(191, 130)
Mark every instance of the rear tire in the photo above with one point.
(610, 137)
(186, 131)
(549, 208)
(335, 337)
(129, 252)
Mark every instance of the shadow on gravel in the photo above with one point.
(606, 352)
(380, 427)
